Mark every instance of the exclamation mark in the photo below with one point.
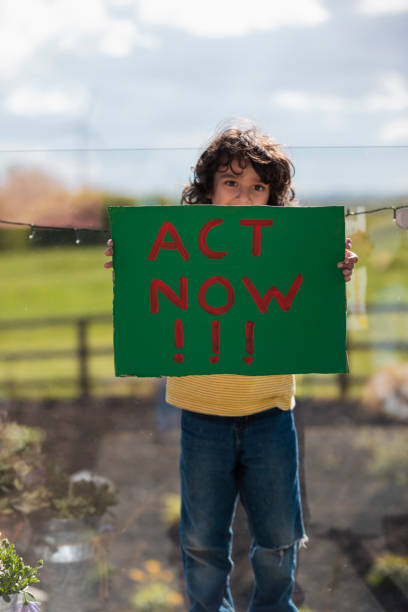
(178, 340)
(249, 336)
(215, 341)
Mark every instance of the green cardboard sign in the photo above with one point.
(249, 290)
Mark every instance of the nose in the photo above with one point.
(243, 196)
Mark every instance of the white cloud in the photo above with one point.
(307, 102)
(121, 2)
(63, 167)
(29, 101)
(391, 96)
(119, 40)
(25, 26)
(381, 7)
(395, 132)
(215, 18)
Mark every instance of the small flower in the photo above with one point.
(137, 575)
(30, 607)
(153, 567)
(175, 598)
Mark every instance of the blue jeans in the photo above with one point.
(256, 458)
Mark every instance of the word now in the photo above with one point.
(177, 244)
(181, 301)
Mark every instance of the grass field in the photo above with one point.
(71, 281)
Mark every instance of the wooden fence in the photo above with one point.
(83, 352)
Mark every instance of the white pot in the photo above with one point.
(11, 606)
(66, 546)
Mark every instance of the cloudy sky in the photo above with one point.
(323, 77)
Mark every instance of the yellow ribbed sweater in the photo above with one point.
(231, 394)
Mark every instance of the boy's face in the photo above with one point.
(236, 186)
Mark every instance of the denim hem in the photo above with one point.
(304, 541)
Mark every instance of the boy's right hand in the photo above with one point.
(109, 253)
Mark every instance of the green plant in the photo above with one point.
(155, 593)
(28, 487)
(15, 576)
(171, 510)
(156, 597)
(79, 499)
(388, 454)
(22, 471)
(388, 566)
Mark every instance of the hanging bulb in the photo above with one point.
(77, 238)
(32, 232)
(394, 214)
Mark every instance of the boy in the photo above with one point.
(238, 437)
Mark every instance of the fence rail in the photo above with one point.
(83, 352)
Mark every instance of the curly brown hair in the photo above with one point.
(244, 145)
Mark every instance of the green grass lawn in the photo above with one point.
(71, 281)
(54, 282)
(49, 283)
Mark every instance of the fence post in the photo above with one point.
(343, 379)
(83, 358)
(342, 383)
(9, 383)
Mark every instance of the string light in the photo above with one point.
(399, 215)
(350, 213)
(34, 228)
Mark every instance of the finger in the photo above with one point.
(346, 265)
(108, 252)
(110, 242)
(348, 243)
(351, 256)
(108, 264)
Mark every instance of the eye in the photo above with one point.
(230, 183)
(259, 187)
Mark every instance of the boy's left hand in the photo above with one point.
(349, 261)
